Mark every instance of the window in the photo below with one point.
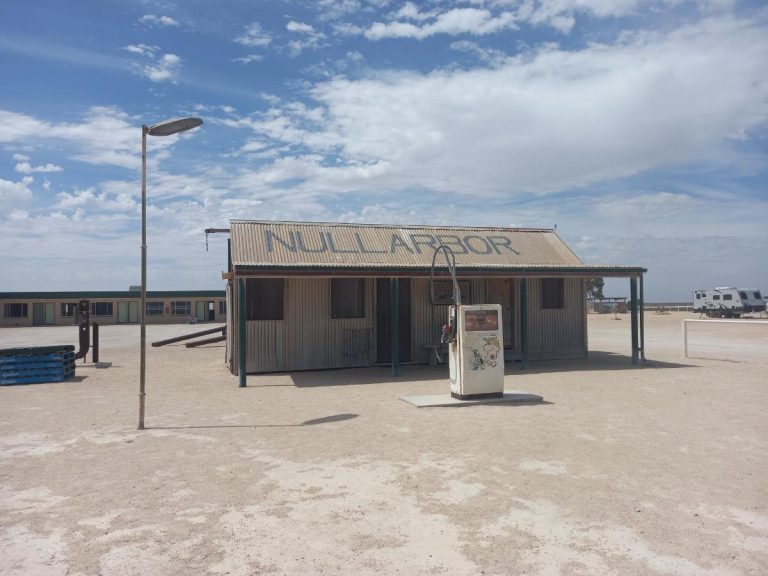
(757, 296)
(347, 298)
(15, 310)
(552, 293)
(153, 308)
(264, 299)
(68, 309)
(181, 308)
(698, 295)
(101, 308)
(716, 297)
(222, 306)
(727, 296)
(742, 295)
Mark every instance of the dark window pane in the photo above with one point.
(181, 308)
(347, 298)
(68, 309)
(15, 310)
(264, 298)
(552, 295)
(101, 308)
(154, 308)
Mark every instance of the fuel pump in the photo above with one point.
(474, 334)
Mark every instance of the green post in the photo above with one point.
(642, 320)
(524, 323)
(241, 332)
(633, 308)
(395, 326)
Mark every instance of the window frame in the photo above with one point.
(95, 307)
(552, 293)
(153, 311)
(22, 307)
(181, 308)
(340, 289)
(65, 307)
(261, 290)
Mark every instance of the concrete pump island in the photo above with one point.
(282, 446)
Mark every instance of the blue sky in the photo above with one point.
(639, 128)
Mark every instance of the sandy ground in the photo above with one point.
(659, 469)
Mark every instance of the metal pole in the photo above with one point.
(395, 326)
(241, 332)
(633, 308)
(524, 323)
(642, 320)
(143, 338)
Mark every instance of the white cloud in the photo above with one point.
(254, 36)
(310, 37)
(301, 27)
(154, 20)
(106, 136)
(14, 193)
(27, 168)
(21, 157)
(545, 121)
(248, 58)
(489, 55)
(142, 49)
(478, 22)
(166, 68)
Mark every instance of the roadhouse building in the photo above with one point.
(307, 296)
(120, 307)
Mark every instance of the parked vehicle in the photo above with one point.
(727, 302)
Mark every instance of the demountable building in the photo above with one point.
(306, 295)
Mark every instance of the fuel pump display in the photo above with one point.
(476, 352)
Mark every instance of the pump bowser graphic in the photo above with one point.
(475, 351)
(475, 341)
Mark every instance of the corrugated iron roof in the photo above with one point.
(305, 246)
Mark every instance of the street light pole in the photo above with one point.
(165, 128)
(142, 310)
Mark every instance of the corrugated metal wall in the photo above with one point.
(266, 351)
(315, 340)
(426, 328)
(308, 338)
(557, 333)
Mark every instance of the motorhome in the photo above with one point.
(727, 302)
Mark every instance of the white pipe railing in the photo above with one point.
(687, 320)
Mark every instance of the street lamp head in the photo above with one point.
(174, 126)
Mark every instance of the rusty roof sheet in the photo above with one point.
(273, 245)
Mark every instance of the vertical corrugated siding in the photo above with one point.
(265, 350)
(556, 333)
(426, 328)
(308, 338)
(315, 340)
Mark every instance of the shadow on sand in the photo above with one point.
(312, 422)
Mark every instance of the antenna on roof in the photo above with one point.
(213, 231)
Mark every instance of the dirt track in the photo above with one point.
(654, 470)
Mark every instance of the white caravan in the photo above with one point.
(727, 302)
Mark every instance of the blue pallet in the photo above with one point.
(32, 380)
(37, 364)
(47, 371)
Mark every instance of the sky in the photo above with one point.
(639, 128)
